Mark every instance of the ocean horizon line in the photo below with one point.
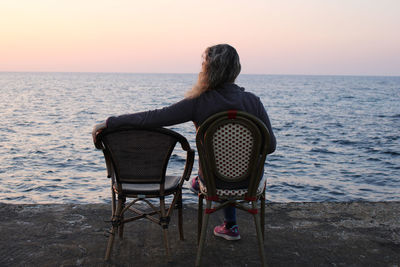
(190, 73)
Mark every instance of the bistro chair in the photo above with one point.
(136, 160)
(232, 148)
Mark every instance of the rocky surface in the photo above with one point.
(297, 234)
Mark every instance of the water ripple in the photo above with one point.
(337, 136)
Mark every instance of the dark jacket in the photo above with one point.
(229, 96)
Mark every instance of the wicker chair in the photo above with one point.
(232, 149)
(137, 160)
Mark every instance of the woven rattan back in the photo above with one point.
(232, 148)
(139, 155)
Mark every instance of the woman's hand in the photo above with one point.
(97, 129)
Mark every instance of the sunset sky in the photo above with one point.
(349, 37)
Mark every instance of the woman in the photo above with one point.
(214, 92)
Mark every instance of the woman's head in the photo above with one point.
(221, 65)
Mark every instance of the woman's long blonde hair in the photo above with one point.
(221, 65)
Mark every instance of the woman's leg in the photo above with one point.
(230, 216)
(228, 230)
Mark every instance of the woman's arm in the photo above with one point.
(177, 113)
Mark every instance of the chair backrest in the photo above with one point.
(139, 155)
(232, 147)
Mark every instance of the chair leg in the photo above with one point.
(262, 215)
(113, 201)
(180, 216)
(115, 222)
(164, 224)
(121, 226)
(203, 234)
(259, 235)
(199, 217)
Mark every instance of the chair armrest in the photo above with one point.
(99, 144)
(189, 164)
(110, 169)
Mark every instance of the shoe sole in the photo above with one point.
(227, 237)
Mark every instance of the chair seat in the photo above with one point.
(234, 192)
(171, 184)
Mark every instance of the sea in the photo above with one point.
(337, 136)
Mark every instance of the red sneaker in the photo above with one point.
(227, 233)
(194, 185)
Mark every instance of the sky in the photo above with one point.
(312, 37)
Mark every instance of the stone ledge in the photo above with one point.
(297, 234)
